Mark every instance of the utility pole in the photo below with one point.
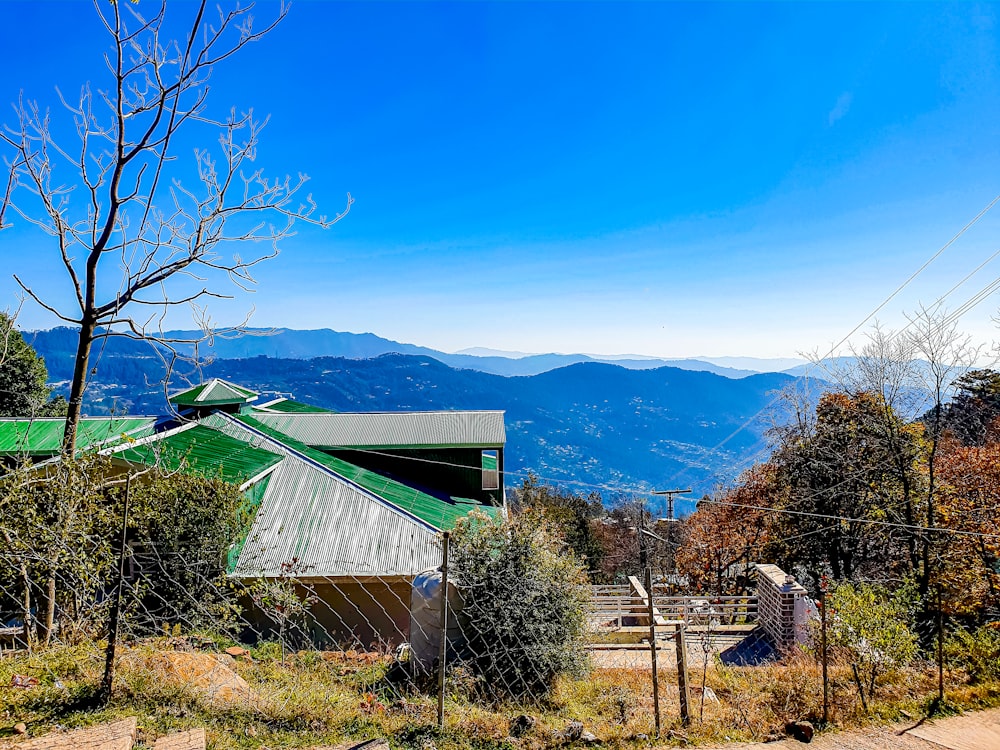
(670, 494)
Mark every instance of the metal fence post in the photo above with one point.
(104, 695)
(443, 647)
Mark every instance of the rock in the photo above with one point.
(204, 673)
(803, 731)
(521, 725)
(588, 738)
(21, 728)
(237, 651)
(640, 737)
(23, 681)
(573, 731)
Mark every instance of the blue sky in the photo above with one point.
(659, 178)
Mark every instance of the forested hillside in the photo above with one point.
(586, 424)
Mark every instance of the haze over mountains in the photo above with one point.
(284, 343)
(615, 426)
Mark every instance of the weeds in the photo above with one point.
(314, 699)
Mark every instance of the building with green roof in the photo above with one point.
(352, 503)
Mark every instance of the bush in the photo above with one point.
(871, 625)
(524, 599)
(977, 652)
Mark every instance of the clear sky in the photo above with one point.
(665, 179)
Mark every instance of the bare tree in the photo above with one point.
(133, 238)
(947, 354)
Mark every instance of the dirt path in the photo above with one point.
(979, 730)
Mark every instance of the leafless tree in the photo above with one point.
(134, 239)
(947, 353)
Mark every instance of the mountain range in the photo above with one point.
(622, 426)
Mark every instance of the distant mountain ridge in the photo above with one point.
(585, 426)
(286, 343)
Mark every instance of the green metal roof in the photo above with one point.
(287, 406)
(212, 393)
(43, 437)
(204, 451)
(439, 513)
(252, 498)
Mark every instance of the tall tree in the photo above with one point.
(23, 392)
(133, 239)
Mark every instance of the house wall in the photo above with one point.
(346, 613)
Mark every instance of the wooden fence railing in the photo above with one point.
(623, 606)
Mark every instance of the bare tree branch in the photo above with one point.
(121, 216)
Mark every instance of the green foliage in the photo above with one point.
(858, 461)
(570, 514)
(23, 392)
(181, 529)
(55, 555)
(524, 599)
(870, 624)
(976, 651)
(60, 526)
(975, 408)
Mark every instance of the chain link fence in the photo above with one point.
(504, 640)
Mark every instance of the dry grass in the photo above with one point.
(314, 699)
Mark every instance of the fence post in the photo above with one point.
(680, 646)
(826, 679)
(940, 648)
(104, 696)
(652, 647)
(443, 647)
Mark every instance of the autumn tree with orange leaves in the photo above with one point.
(728, 533)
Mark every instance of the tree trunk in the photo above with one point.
(79, 383)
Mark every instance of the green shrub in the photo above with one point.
(871, 625)
(975, 651)
(524, 599)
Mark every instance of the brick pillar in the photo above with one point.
(776, 595)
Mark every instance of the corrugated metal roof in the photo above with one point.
(253, 496)
(440, 513)
(43, 437)
(215, 391)
(437, 429)
(330, 528)
(287, 406)
(204, 451)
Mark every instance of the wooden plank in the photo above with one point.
(640, 591)
(118, 735)
(193, 739)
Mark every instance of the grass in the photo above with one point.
(313, 699)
